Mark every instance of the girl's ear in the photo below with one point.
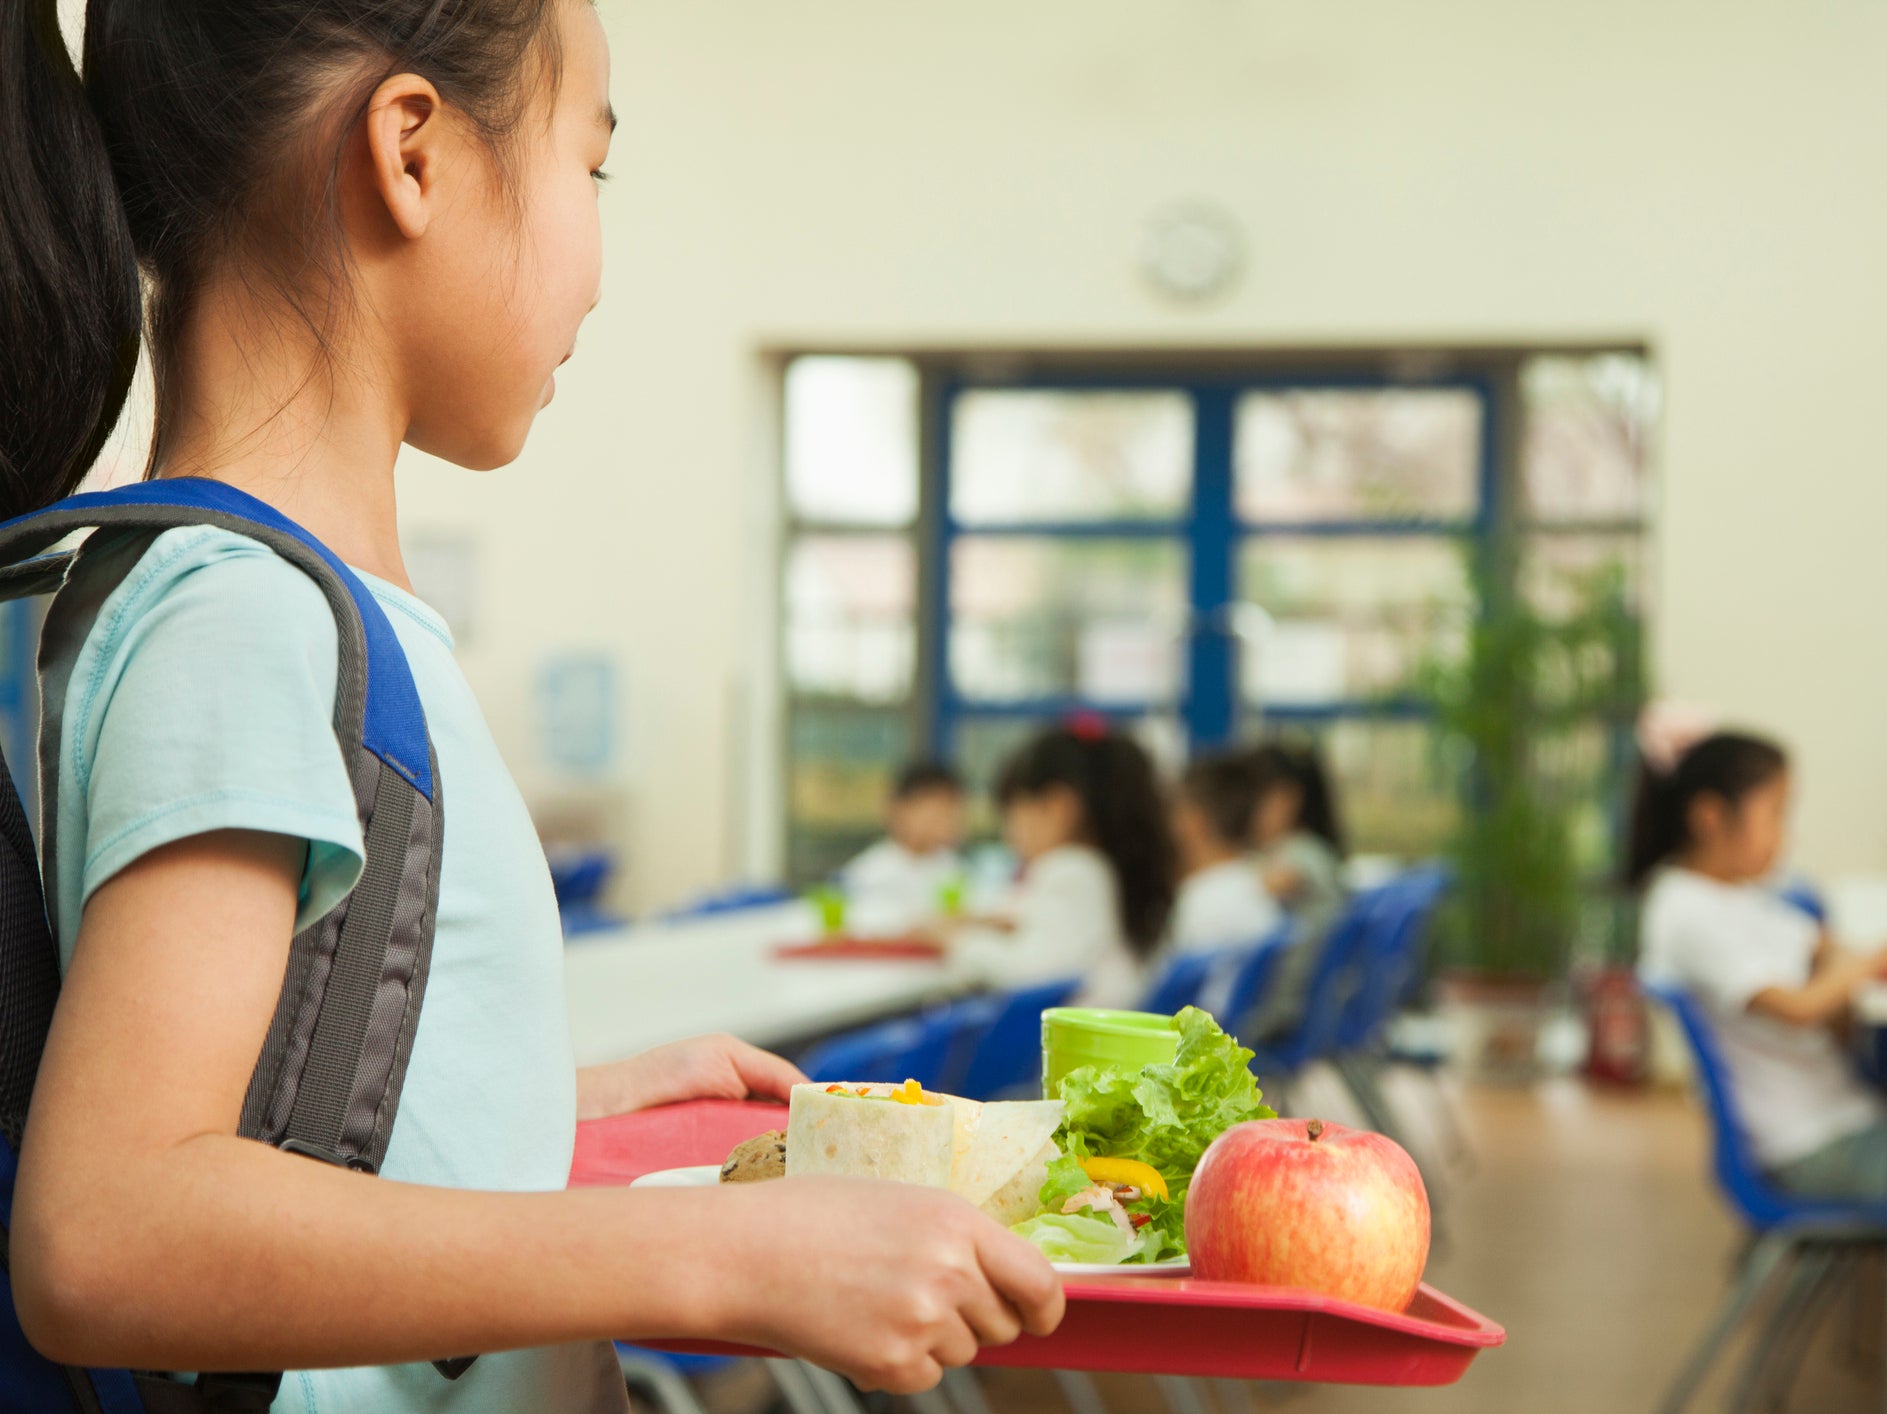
(1707, 818)
(405, 142)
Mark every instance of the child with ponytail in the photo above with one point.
(361, 224)
(1297, 843)
(1706, 833)
(1082, 810)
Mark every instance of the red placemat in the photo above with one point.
(862, 950)
(1144, 1325)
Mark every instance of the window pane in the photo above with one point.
(843, 760)
(1358, 454)
(1589, 423)
(1097, 619)
(1022, 455)
(851, 440)
(1349, 618)
(849, 626)
(1396, 791)
(1569, 575)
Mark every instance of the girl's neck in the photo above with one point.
(316, 437)
(1709, 864)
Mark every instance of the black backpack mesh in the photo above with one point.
(29, 964)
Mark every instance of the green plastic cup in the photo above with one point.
(1074, 1036)
(829, 903)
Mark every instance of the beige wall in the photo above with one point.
(1711, 178)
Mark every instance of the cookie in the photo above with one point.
(758, 1159)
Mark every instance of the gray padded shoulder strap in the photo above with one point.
(328, 1081)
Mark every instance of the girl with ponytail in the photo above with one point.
(337, 227)
(1707, 831)
(1297, 844)
(1082, 809)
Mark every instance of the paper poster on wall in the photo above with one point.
(1296, 661)
(576, 713)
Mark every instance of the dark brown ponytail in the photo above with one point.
(69, 295)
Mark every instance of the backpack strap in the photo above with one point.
(328, 1081)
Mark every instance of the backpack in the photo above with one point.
(327, 1083)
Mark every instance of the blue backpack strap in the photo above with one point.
(328, 1081)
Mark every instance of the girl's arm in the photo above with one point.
(146, 1233)
(1827, 994)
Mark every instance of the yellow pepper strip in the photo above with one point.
(1145, 1177)
(910, 1094)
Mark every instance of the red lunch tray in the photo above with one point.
(1141, 1325)
(844, 949)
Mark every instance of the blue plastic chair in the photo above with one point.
(911, 1048)
(1183, 981)
(1802, 894)
(1389, 955)
(732, 899)
(1327, 993)
(1816, 1241)
(1006, 1056)
(1249, 980)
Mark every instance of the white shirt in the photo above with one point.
(1066, 909)
(1724, 943)
(890, 889)
(1221, 906)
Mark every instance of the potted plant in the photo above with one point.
(1534, 713)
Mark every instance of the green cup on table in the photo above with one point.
(1117, 1040)
(829, 903)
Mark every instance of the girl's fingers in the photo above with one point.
(764, 1073)
(1022, 1277)
(993, 1320)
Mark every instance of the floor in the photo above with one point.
(1587, 1227)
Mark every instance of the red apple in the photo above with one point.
(1292, 1202)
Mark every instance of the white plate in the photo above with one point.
(699, 1176)
(709, 1176)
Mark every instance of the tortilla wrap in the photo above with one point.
(995, 1156)
(868, 1138)
(1021, 1197)
(996, 1142)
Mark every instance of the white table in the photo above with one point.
(637, 987)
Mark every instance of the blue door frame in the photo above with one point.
(1211, 532)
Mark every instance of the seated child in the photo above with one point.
(1298, 846)
(1081, 809)
(901, 881)
(1222, 901)
(1704, 837)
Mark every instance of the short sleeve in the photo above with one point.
(1726, 950)
(207, 704)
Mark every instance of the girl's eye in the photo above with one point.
(598, 174)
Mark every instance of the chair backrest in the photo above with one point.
(1388, 955)
(1242, 990)
(1333, 979)
(906, 1049)
(1732, 1159)
(1181, 981)
(731, 899)
(1008, 1055)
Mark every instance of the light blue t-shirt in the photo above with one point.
(203, 699)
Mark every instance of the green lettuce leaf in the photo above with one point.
(1163, 1115)
(1076, 1237)
(1065, 1179)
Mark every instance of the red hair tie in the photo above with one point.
(1087, 726)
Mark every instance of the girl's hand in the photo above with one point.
(701, 1068)
(886, 1283)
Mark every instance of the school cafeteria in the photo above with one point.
(846, 707)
